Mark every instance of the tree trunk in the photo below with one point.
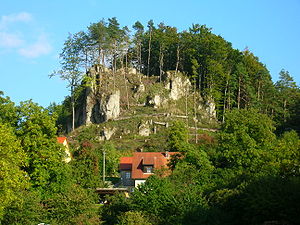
(161, 62)
(114, 65)
(73, 108)
(239, 93)
(103, 58)
(149, 53)
(258, 90)
(229, 100)
(224, 104)
(86, 62)
(125, 81)
(195, 112)
(99, 54)
(284, 110)
(177, 58)
(140, 57)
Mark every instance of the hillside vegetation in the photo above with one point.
(155, 89)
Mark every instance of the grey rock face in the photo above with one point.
(211, 109)
(98, 109)
(110, 107)
(144, 129)
(90, 102)
(107, 133)
(177, 84)
(140, 88)
(155, 101)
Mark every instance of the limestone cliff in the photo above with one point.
(98, 108)
(113, 96)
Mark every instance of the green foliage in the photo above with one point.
(168, 202)
(112, 157)
(36, 185)
(251, 177)
(87, 163)
(286, 156)
(246, 137)
(118, 204)
(27, 209)
(8, 112)
(62, 112)
(74, 205)
(157, 197)
(86, 166)
(37, 133)
(287, 104)
(203, 167)
(12, 159)
(177, 137)
(133, 218)
(265, 199)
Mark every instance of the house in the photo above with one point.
(136, 169)
(64, 142)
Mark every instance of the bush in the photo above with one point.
(133, 218)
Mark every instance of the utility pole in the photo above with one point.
(103, 166)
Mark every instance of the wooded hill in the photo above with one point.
(232, 78)
(129, 90)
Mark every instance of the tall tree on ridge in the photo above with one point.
(71, 70)
(150, 30)
(162, 45)
(288, 92)
(99, 34)
(138, 42)
(114, 33)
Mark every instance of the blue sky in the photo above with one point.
(32, 33)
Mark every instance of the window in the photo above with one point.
(148, 169)
(127, 175)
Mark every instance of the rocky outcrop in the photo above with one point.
(107, 133)
(211, 109)
(89, 105)
(99, 103)
(138, 90)
(177, 84)
(128, 70)
(208, 107)
(99, 108)
(155, 101)
(110, 106)
(144, 129)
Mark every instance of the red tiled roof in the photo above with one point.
(61, 139)
(125, 163)
(126, 160)
(136, 162)
(148, 160)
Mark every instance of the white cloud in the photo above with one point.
(16, 34)
(19, 17)
(9, 40)
(40, 47)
